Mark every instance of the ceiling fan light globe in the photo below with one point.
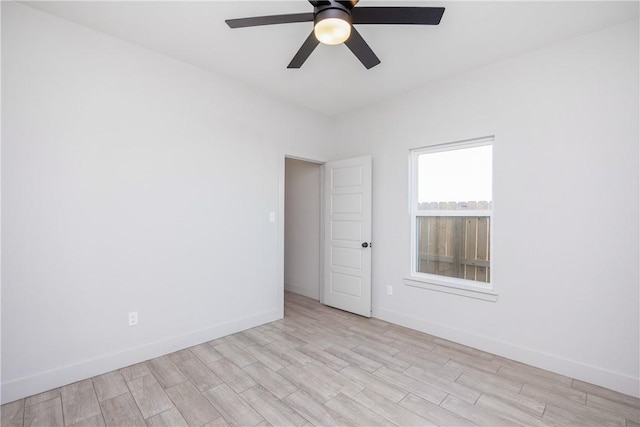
(332, 31)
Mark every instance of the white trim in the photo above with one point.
(280, 238)
(457, 145)
(43, 381)
(592, 374)
(477, 292)
(322, 239)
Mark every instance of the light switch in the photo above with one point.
(272, 217)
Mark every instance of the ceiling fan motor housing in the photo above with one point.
(334, 10)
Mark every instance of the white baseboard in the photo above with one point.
(27, 386)
(297, 289)
(592, 374)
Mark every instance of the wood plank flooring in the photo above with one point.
(324, 367)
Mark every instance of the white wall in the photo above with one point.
(302, 228)
(565, 120)
(0, 217)
(130, 182)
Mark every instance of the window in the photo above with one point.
(451, 214)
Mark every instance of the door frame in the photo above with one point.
(281, 190)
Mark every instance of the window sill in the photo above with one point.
(476, 292)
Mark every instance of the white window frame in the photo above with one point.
(453, 285)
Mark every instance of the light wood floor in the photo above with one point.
(321, 366)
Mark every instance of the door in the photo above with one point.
(347, 235)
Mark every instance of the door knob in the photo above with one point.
(365, 245)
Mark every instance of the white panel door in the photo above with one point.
(347, 235)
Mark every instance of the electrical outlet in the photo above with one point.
(133, 318)
(389, 290)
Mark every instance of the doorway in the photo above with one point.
(302, 227)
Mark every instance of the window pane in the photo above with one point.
(454, 246)
(458, 175)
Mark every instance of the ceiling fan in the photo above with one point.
(334, 24)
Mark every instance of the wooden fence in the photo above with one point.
(455, 246)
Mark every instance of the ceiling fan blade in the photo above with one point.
(269, 20)
(320, 3)
(305, 50)
(397, 15)
(361, 49)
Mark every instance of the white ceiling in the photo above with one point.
(333, 81)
